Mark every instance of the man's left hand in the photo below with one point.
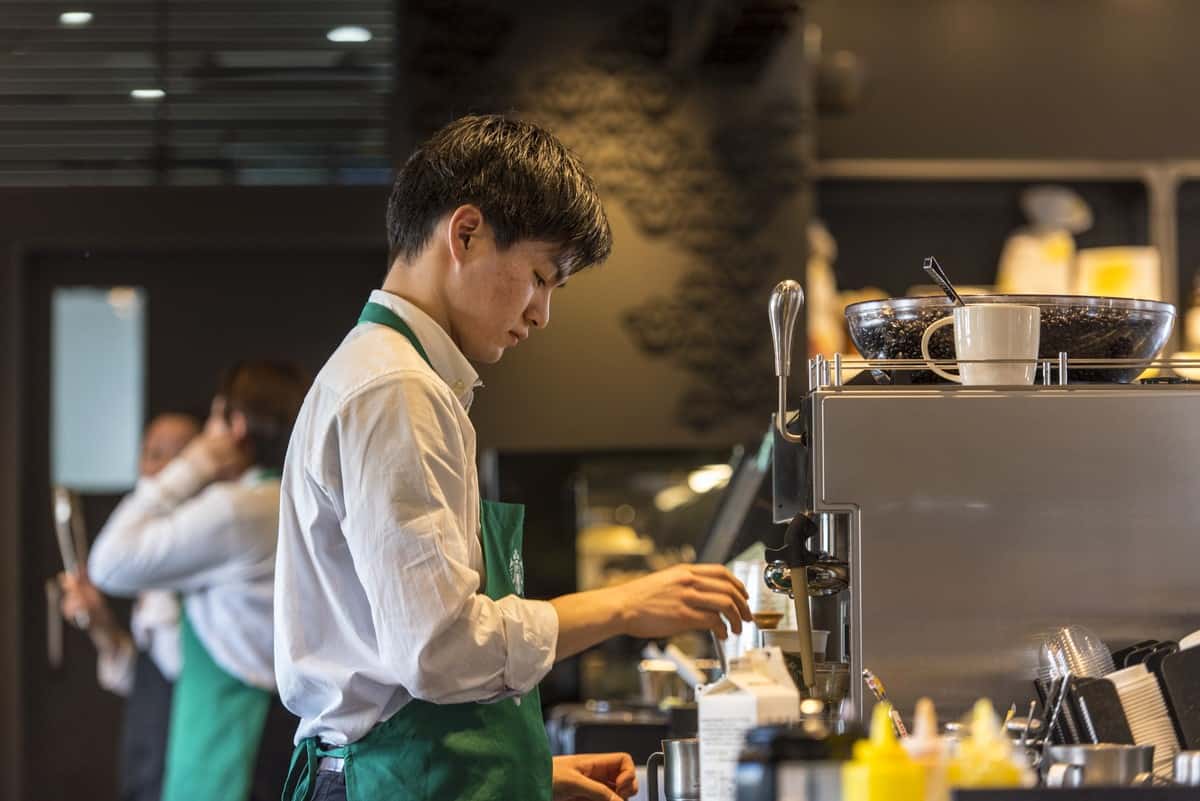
(594, 777)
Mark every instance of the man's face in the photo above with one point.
(165, 437)
(498, 296)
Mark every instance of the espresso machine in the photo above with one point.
(940, 528)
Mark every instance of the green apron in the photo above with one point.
(438, 752)
(216, 724)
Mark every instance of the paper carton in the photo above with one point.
(756, 691)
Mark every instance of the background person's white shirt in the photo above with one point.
(212, 542)
(154, 625)
(380, 568)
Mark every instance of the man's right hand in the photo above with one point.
(678, 599)
(682, 598)
(82, 601)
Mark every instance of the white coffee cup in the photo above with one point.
(990, 331)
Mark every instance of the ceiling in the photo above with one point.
(255, 93)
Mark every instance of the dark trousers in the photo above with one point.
(330, 786)
(274, 752)
(144, 732)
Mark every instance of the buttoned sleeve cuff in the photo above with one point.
(531, 632)
(186, 475)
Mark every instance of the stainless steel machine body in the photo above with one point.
(977, 517)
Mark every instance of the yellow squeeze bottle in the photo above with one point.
(881, 769)
(985, 757)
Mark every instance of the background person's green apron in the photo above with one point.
(216, 724)
(438, 752)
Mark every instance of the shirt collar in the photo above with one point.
(448, 361)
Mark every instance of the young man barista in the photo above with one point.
(402, 639)
(206, 527)
(140, 665)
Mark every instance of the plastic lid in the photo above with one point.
(925, 742)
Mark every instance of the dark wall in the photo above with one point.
(1189, 244)
(228, 271)
(694, 121)
(1016, 78)
(210, 306)
(11, 364)
(1002, 79)
(884, 229)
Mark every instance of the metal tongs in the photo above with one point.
(69, 532)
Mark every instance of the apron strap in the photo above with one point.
(301, 784)
(378, 313)
(300, 787)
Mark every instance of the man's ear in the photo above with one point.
(462, 231)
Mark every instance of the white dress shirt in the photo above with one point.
(214, 542)
(380, 569)
(155, 628)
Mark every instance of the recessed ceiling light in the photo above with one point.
(74, 19)
(349, 33)
(147, 94)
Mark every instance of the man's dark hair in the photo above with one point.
(526, 183)
(269, 394)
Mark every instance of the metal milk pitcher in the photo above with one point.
(680, 760)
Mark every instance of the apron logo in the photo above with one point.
(516, 572)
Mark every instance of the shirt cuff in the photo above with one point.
(531, 633)
(187, 474)
(115, 666)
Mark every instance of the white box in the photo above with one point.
(757, 691)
